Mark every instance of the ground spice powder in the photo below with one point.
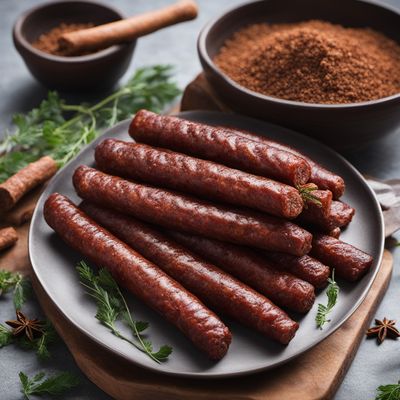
(313, 62)
(48, 41)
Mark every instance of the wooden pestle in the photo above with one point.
(126, 30)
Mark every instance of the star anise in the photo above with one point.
(383, 329)
(24, 326)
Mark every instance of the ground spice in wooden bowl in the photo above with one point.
(48, 41)
(313, 62)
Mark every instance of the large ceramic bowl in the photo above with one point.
(340, 126)
(93, 71)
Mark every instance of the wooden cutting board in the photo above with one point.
(199, 95)
(314, 375)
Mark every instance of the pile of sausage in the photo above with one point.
(200, 221)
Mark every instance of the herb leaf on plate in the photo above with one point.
(332, 293)
(61, 130)
(112, 306)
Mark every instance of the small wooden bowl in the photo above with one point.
(339, 125)
(93, 71)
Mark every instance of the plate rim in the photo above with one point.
(218, 375)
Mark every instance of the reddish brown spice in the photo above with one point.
(8, 237)
(383, 329)
(24, 326)
(26, 179)
(48, 41)
(313, 62)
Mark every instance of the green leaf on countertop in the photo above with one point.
(112, 306)
(332, 293)
(41, 344)
(61, 130)
(54, 385)
(388, 392)
(19, 284)
(6, 336)
(22, 291)
(8, 280)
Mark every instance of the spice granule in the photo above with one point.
(313, 62)
(48, 41)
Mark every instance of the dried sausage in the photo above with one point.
(349, 262)
(322, 177)
(283, 288)
(319, 209)
(144, 279)
(180, 212)
(192, 175)
(304, 267)
(216, 288)
(339, 216)
(220, 145)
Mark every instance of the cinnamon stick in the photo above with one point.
(8, 237)
(128, 29)
(25, 180)
(23, 211)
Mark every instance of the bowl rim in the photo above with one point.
(22, 41)
(204, 57)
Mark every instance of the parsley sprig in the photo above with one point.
(112, 306)
(18, 284)
(332, 293)
(60, 130)
(40, 384)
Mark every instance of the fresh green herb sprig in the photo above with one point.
(388, 392)
(61, 130)
(19, 285)
(306, 192)
(40, 344)
(112, 306)
(6, 336)
(332, 293)
(40, 385)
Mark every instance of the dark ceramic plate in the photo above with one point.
(53, 263)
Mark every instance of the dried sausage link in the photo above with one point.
(144, 279)
(192, 175)
(220, 145)
(180, 212)
(216, 288)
